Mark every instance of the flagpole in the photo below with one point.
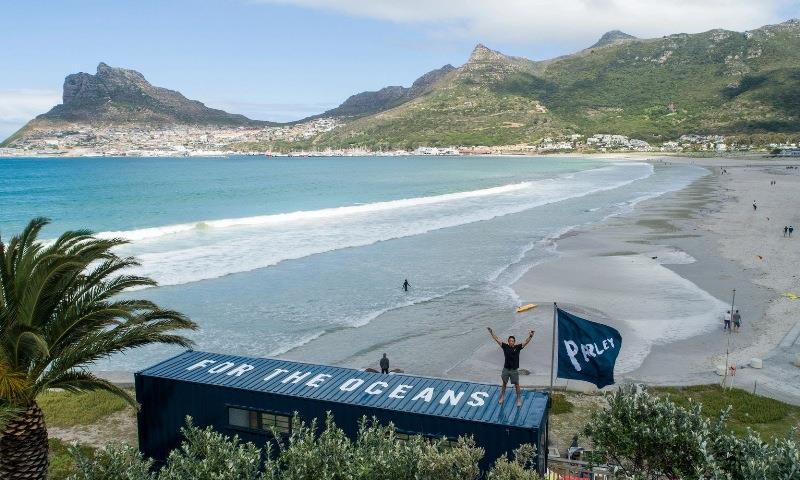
(553, 349)
(728, 348)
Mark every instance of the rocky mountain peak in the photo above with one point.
(431, 77)
(482, 54)
(366, 103)
(614, 36)
(119, 95)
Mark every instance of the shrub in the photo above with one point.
(311, 457)
(442, 461)
(379, 453)
(652, 437)
(649, 436)
(114, 462)
(306, 454)
(209, 455)
(520, 468)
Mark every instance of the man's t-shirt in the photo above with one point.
(512, 355)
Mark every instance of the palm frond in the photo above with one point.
(60, 312)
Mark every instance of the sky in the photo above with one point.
(284, 60)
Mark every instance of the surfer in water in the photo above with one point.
(511, 364)
(406, 285)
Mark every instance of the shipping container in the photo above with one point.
(250, 396)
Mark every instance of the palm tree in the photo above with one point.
(59, 313)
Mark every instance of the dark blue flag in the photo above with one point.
(586, 350)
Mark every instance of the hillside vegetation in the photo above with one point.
(717, 82)
(743, 85)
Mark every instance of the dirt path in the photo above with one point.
(119, 427)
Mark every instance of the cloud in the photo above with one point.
(560, 21)
(21, 105)
(18, 106)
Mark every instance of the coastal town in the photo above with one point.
(85, 140)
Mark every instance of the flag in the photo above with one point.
(586, 350)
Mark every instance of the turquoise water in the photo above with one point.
(269, 255)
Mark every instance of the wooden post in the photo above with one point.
(553, 349)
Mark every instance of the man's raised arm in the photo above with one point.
(528, 340)
(499, 342)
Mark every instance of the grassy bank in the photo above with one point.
(69, 414)
(770, 418)
(63, 409)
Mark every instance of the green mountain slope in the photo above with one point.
(655, 89)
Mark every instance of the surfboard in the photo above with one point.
(527, 307)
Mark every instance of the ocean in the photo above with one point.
(305, 257)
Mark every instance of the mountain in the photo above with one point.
(716, 82)
(366, 103)
(612, 37)
(720, 82)
(119, 96)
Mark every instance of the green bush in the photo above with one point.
(651, 437)
(520, 468)
(309, 457)
(209, 455)
(377, 453)
(115, 462)
(642, 435)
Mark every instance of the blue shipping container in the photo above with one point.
(248, 396)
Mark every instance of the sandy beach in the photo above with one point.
(699, 243)
(640, 271)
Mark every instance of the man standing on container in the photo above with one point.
(511, 364)
(384, 364)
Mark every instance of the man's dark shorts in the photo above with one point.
(510, 374)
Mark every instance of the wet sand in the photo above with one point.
(707, 240)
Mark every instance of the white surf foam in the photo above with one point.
(190, 252)
(306, 215)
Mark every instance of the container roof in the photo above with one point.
(468, 401)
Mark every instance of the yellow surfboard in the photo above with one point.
(527, 307)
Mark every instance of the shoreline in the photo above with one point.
(709, 222)
(612, 155)
(677, 227)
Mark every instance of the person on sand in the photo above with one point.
(384, 364)
(406, 285)
(791, 229)
(737, 321)
(727, 321)
(755, 207)
(785, 229)
(511, 364)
